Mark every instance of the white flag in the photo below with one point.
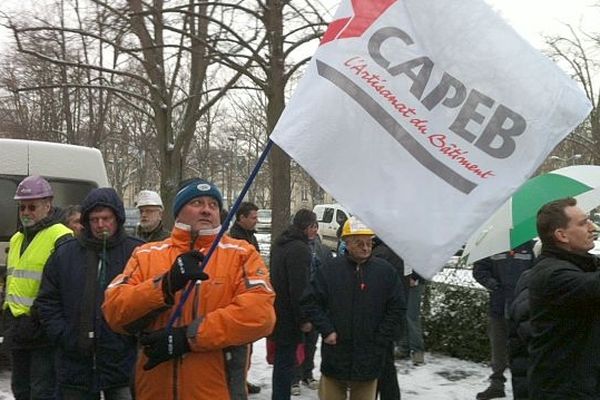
(423, 116)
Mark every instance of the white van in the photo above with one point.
(330, 217)
(72, 171)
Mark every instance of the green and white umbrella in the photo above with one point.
(514, 222)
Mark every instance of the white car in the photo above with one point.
(264, 220)
(330, 217)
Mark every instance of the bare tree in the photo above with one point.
(157, 58)
(269, 59)
(155, 62)
(577, 51)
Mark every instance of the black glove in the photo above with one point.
(160, 346)
(492, 284)
(185, 268)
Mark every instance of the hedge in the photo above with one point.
(455, 321)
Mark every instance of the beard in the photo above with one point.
(148, 225)
(27, 222)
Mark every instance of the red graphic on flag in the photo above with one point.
(365, 13)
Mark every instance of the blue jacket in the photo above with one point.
(90, 355)
(500, 273)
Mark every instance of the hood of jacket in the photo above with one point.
(102, 197)
(290, 234)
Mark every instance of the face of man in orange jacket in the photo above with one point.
(201, 213)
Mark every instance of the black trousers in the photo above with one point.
(387, 385)
(33, 374)
(305, 370)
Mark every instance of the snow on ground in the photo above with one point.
(441, 378)
(5, 393)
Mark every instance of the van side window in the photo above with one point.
(8, 207)
(327, 215)
(340, 217)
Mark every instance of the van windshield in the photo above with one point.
(66, 193)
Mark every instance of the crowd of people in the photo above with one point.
(91, 311)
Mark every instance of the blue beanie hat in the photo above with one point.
(192, 188)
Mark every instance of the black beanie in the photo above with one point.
(304, 218)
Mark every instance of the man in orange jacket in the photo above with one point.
(206, 353)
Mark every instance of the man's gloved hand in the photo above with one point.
(185, 268)
(160, 346)
(492, 284)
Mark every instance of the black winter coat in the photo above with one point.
(564, 295)
(237, 232)
(500, 273)
(518, 338)
(364, 305)
(69, 305)
(290, 268)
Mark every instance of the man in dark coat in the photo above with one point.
(91, 358)
(290, 267)
(564, 297)
(519, 336)
(304, 374)
(356, 303)
(387, 385)
(499, 275)
(246, 218)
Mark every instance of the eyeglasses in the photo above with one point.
(30, 207)
(360, 243)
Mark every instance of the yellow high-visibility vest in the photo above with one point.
(24, 271)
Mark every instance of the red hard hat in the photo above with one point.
(33, 187)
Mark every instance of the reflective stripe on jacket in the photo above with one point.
(24, 271)
(233, 307)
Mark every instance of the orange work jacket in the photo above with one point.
(231, 309)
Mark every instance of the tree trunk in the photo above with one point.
(280, 162)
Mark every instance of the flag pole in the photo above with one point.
(177, 314)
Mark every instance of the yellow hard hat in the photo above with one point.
(353, 226)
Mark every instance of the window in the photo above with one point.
(65, 193)
(327, 215)
(8, 207)
(304, 194)
(340, 217)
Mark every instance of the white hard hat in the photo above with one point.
(148, 198)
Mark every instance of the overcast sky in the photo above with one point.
(530, 18)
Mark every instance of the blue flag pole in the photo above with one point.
(177, 314)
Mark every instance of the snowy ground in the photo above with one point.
(441, 378)
(5, 393)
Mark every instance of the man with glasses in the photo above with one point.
(32, 356)
(150, 206)
(356, 303)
